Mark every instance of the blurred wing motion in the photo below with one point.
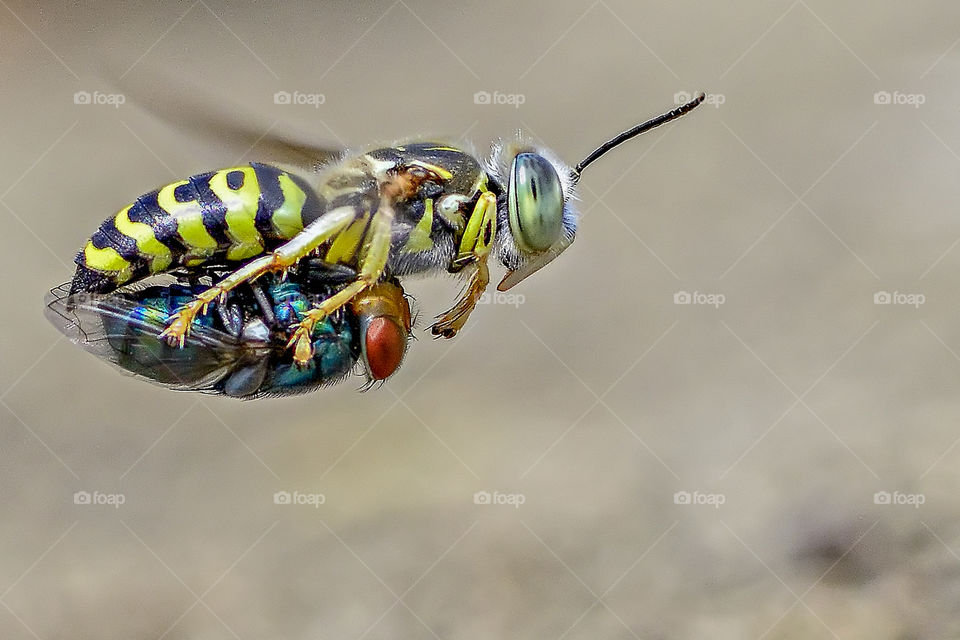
(195, 111)
(125, 333)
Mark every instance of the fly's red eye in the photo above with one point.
(386, 344)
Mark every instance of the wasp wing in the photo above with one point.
(113, 328)
(195, 111)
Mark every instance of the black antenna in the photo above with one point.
(637, 130)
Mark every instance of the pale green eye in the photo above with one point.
(535, 203)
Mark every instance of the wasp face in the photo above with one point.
(537, 222)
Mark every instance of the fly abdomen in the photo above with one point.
(227, 215)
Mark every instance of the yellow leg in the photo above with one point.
(372, 264)
(285, 256)
(453, 320)
(474, 250)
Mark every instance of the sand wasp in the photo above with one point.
(386, 213)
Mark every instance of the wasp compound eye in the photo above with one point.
(535, 203)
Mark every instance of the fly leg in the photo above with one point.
(264, 303)
(474, 250)
(285, 256)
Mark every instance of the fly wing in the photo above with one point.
(115, 329)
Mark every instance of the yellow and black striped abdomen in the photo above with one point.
(227, 215)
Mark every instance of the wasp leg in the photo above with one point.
(474, 250)
(285, 256)
(371, 267)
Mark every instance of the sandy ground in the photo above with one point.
(784, 411)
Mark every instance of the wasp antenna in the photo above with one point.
(637, 130)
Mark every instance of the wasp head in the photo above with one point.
(536, 220)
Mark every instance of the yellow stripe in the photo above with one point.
(189, 219)
(419, 239)
(440, 171)
(287, 219)
(147, 244)
(440, 149)
(345, 245)
(241, 216)
(107, 260)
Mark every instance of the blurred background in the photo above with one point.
(729, 411)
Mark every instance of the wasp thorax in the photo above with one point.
(535, 203)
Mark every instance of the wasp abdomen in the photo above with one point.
(231, 214)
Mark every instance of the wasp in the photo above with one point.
(237, 346)
(389, 212)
